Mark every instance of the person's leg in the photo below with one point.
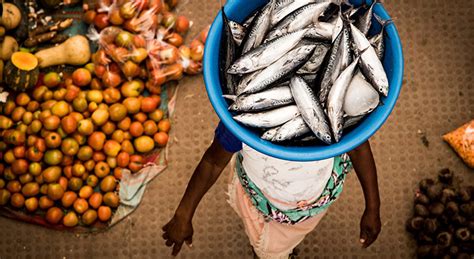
(269, 239)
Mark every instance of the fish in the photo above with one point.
(338, 26)
(378, 40)
(266, 54)
(244, 81)
(298, 19)
(324, 78)
(285, 66)
(273, 98)
(229, 51)
(321, 31)
(249, 20)
(364, 22)
(270, 134)
(351, 121)
(238, 32)
(294, 128)
(268, 119)
(370, 63)
(314, 63)
(344, 57)
(336, 97)
(258, 29)
(309, 78)
(285, 7)
(361, 98)
(311, 110)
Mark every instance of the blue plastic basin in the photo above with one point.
(238, 10)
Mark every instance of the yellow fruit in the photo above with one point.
(144, 144)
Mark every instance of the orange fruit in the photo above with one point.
(98, 156)
(17, 200)
(92, 180)
(118, 112)
(54, 215)
(31, 204)
(140, 117)
(86, 192)
(136, 129)
(127, 146)
(69, 124)
(55, 191)
(104, 213)
(70, 219)
(75, 183)
(68, 199)
(53, 140)
(45, 202)
(95, 200)
(132, 104)
(108, 128)
(156, 115)
(123, 158)
(150, 128)
(96, 140)
(118, 136)
(14, 186)
(69, 147)
(112, 148)
(144, 144)
(89, 217)
(101, 169)
(136, 163)
(80, 205)
(164, 125)
(111, 199)
(125, 124)
(108, 184)
(161, 138)
(63, 182)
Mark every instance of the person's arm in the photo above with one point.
(180, 229)
(364, 165)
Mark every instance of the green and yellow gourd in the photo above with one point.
(21, 71)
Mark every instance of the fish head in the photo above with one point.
(240, 67)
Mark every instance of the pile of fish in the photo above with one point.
(302, 71)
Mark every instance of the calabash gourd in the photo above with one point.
(21, 71)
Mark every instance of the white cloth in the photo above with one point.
(286, 182)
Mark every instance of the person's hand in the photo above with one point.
(370, 226)
(176, 232)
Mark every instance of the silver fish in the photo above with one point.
(364, 22)
(351, 121)
(325, 77)
(270, 134)
(361, 98)
(285, 7)
(321, 31)
(268, 119)
(258, 29)
(286, 65)
(244, 82)
(314, 63)
(273, 98)
(238, 32)
(310, 109)
(344, 56)
(298, 19)
(249, 20)
(378, 40)
(266, 54)
(371, 65)
(292, 129)
(336, 100)
(338, 26)
(309, 78)
(229, 50)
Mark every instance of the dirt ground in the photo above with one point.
(437, 96)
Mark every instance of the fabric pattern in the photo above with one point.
(342, 166)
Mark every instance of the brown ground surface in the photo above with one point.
(438, 96)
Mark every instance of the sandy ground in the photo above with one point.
(437, 96)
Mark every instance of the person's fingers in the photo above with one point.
(169, 243)
(176, 248)
(166, 236)
(189, 241)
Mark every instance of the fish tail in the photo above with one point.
(381, 21)
(230, 97)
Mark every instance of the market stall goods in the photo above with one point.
(443, 217)
(80, 127)
(462, 141)
(322, 51)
